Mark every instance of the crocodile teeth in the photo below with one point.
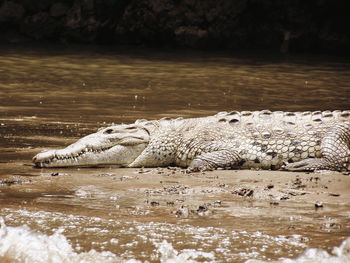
(66, 157)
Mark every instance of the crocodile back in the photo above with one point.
(268, 124)
(263, 138)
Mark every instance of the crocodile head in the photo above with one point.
(115, 145)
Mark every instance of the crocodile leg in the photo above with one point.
(335, 152)
(216, 159)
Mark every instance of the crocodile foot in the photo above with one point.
(309, 165)
(198, 165)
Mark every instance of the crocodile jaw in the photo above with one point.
(117, 155)
(116, 145)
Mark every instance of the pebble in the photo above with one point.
(217, 203)
(318, 205)
(154, 203)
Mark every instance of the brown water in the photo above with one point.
(49, 97)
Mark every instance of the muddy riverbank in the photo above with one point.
(179, 194)
(281, 213)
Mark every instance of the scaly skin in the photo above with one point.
(261, 139)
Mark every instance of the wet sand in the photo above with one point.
(272, 201)
(160, 188)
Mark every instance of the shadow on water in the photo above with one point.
(52, 96)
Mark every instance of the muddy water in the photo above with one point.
(49, 97)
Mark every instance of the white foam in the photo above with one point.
(128, 240)
(21, 244)
(339, 254)
(171, 255)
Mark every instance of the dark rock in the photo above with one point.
(39, 26)
(318, 205)
(292, 26)
(89, 4)
(58, 9)
(217, 203)
(74, 17)
(10, 11)
(244, 192)
(203, 210)
(154, 203)
(13, 37)
(190, 36)
(37, 5)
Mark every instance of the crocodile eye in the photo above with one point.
(108, 131)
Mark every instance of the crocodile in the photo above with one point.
(295, 141)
